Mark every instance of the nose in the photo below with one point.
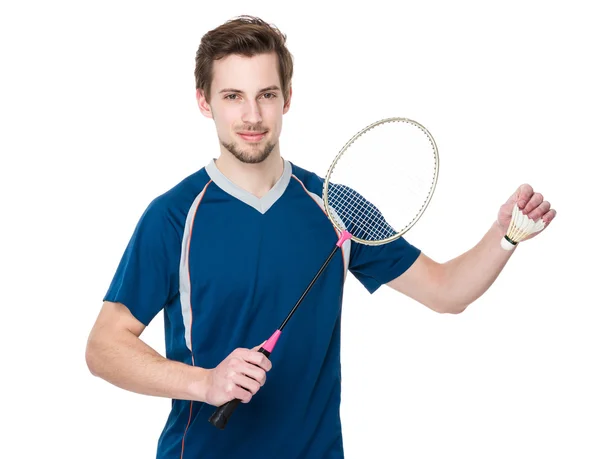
(251, 113)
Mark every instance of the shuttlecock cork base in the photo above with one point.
(508, 244)
(520, 227)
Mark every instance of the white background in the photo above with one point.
(98, 117)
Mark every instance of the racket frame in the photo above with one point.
(334, 219)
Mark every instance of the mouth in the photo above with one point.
(252, 136)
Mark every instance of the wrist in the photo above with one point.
(499, 234)
(198, 382)
(498, 228)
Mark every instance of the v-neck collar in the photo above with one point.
(260, 204)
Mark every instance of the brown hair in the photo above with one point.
(246, 36)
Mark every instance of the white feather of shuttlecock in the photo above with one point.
(519, 228)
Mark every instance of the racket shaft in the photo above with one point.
(309, 287)
(222, 414)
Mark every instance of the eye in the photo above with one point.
(269, 95)
(231, 96)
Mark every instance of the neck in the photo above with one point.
(257, 179)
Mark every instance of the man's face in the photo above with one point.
(246, 103)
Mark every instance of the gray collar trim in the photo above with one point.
(260, 204)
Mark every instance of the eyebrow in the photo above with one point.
(237, 91)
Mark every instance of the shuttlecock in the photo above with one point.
(519, 228)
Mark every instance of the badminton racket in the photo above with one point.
(375, 190)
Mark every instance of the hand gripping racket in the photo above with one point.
(393, 162)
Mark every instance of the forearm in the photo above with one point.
(124, 360)
(468, 276)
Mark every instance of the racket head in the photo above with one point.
(382, 180)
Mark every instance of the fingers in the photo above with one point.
(232, 391)
(250, 387)
(540, 211)
(250, 362)
(523, 195)
(258, 359)
(533, 203)
(549, 216)
(248, 369)
(256, 348)
(239, 376)
(536, 207)
(245, 373)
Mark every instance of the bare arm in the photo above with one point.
(450, 287)
(117, 354)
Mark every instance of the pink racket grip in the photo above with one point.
(270, 344)
(343, 238)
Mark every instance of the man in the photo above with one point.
(226, 253)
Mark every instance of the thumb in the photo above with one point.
(514, 198)
(256, 348)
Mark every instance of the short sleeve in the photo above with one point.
(147, 276)
(374, 266)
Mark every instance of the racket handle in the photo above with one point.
(222, 414)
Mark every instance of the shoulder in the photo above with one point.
(187, 189)
(311, 181)
(171, 206)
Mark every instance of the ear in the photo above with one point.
(203, 104)
(286, 107)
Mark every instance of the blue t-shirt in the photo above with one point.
(226, 267)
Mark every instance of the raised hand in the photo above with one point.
(531, 203)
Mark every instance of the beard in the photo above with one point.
(247, 157)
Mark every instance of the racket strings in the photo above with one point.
(361, 218)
